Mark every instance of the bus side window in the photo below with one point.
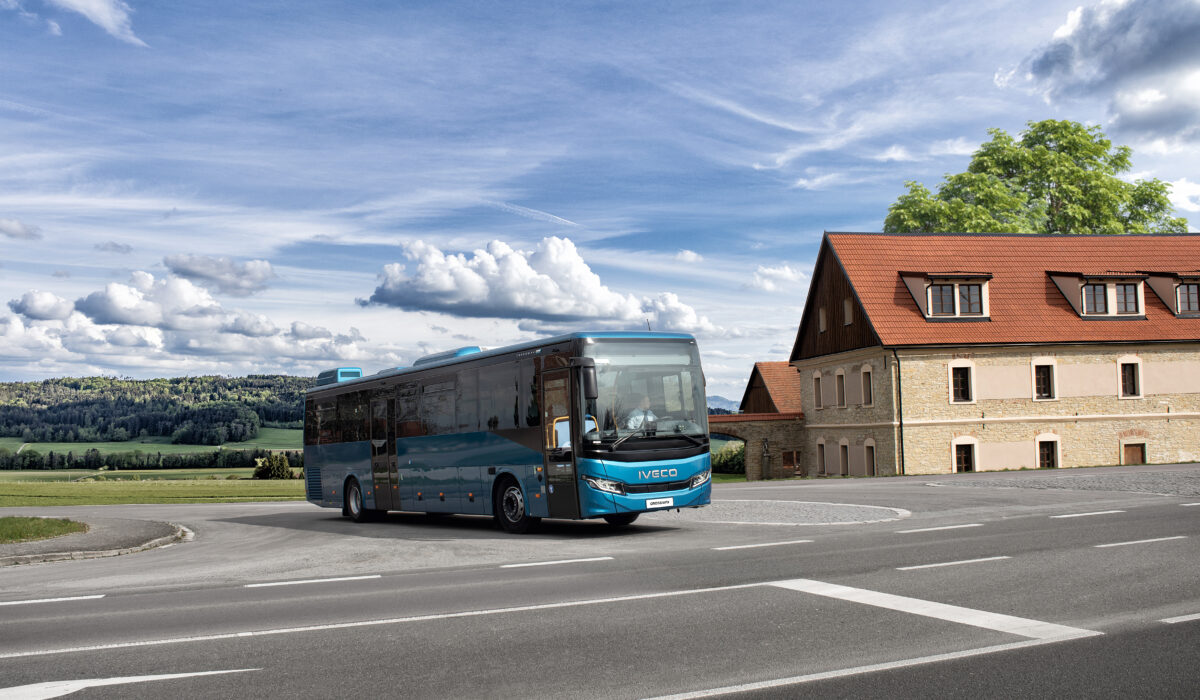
(310, 422)
(527, 391)
(466, 403)
(437, 406)
(408, 421)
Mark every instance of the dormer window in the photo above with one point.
(1104, 295)
(1095, 299)
(945, 296)
(1189, 298)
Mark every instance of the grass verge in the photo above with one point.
(59, 493)
(728, 478)
(21, 529)
(43, 475)
(268, 439)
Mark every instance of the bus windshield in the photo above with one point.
(648, 389)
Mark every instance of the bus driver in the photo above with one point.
(640, 415)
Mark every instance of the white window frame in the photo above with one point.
(1179, 296)
(964, 440)
(1143, 441)
(984, 300)
(1037, 449)
(1130, 360)
(867, 378)
(970, 364)
(1042, 362)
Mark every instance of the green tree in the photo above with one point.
(1060, 177)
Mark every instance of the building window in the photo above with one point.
(817, 392)
(1047, 454)
(961, 380)
(843, 459)
(970, 300)
(840, 386)
(1130, 384)
(1127, 299)
(1043, 381)
(1189, 298)
(869, 459)
(964, 458)
(868, 392)
(821, 458)
(847, 311)
(1095, 299)
(821, 319)
(941, 300)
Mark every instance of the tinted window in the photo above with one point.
(466, 404)
(437, 406)
(352, 422)
(498, 397)
(408, 418)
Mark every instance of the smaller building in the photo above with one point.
(770, 422)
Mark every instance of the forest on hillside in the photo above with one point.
(189, 410)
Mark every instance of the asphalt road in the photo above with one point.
(1080, 583)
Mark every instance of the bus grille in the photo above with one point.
(312, 482)
(655, 488)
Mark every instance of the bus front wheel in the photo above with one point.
(509, 506)
(355, 505)
(621, 519)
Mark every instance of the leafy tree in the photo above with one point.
(1060, 177)
(273, 466)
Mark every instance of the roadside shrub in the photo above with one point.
(273, 466)
(231, 477)
(730, 459)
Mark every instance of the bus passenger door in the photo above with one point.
(383, 452)
(559, 457)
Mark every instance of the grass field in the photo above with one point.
(268, 439)
(17, 529)
(60, 493)
(44, 475)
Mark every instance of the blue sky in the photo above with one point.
(237, 188)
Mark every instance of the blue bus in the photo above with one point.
(587, 425)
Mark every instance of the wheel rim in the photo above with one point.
(513, 504)
(355, 500)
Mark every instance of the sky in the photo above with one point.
(239, 188)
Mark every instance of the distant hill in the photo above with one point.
(723, 403)
(189, 410)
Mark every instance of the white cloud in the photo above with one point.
(41, 306)
(674, 315)
(253, 325)
(303, 331)
(689, 256)
(222, 273)
(953, 147)
(110, 15)
(1185, 194)
(16, 229)
(114, 247)
(895, 152)
(777, 278)
(172, 304)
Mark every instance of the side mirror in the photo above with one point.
(591, 389)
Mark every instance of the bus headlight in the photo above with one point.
(701, 478)
(607, 485)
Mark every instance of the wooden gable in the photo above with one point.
(827, 294)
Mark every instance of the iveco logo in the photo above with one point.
(657, 473)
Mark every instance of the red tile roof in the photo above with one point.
(783, 384)
(1025, 305)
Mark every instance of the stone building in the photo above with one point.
(933, 353)
(770, 422)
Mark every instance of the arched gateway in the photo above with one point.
(774, 442)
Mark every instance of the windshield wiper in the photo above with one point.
(616, 443)
(695, 440)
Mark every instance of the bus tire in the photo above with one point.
(508, 505)
(621, 519)
(355, 505)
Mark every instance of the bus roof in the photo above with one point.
(453, 359)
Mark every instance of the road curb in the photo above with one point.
(181, 533)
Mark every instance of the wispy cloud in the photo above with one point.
(13, 228)
(110, 15)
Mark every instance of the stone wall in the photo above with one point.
(784, 432)
(1087, 417)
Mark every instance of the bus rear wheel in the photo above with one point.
(508, 504)
(621, 519)
(355, 505)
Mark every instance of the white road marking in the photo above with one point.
(1156, 539)
(51, 600)
(311, 580)
(56, 689)
(949, 563)
(1185, 505)
(1181, 618)
(373, 623)
(1084, 515)
(843, 672)
(551, 563)
(1034, 629)
(763, 544)
(932, 529)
